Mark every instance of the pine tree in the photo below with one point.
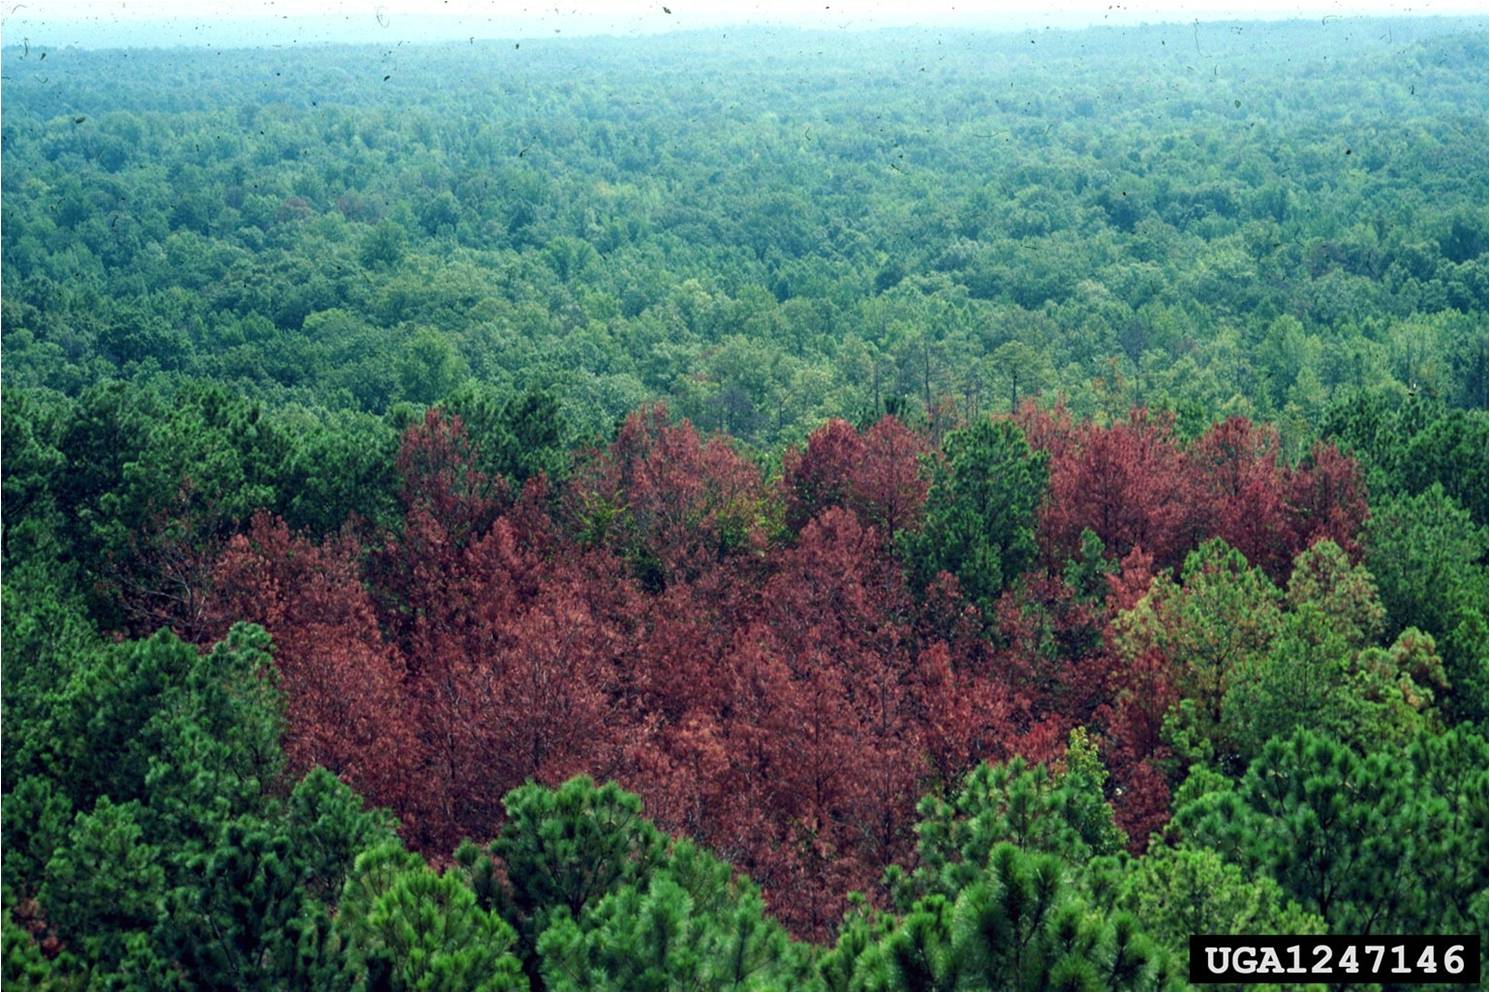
(1015, 925)
(979, 523)
(1374, 844)
(566, 848)
(404, 927)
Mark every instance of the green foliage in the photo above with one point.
(1377, 843)
(564, 849)
(1088, 572)
(29, 434)
(341, 465)
(569, 845)
(980, 512)
(1062, 813)
(517, 437)
(1217, 622)
(1408, 444)
(1252, 664)
(1016, 926)
(602, 899)
(382, 247)
(1428, 558)
(24, 966)
(104, 883)
(428, 368)
(1072, 245)
(659, 939)
(1180, 891)
(232, 925)
(328, 827)
(1324, 670)
(404, 927)
(144, 819)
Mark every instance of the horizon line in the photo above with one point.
(536, 29)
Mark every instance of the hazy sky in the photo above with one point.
(361, 19)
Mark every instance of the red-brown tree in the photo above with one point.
(346, 705)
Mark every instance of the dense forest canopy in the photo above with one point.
(742, 509)
(766, 230)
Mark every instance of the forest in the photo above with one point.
(750, 509)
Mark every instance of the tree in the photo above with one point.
(1374, 843)
(25, 965)
(1061, 812)
(1238, 467)
(170, 485)
(889, 491)
(1126, 483)
(659, 938)
(382, 247)
(404, 927)
(428, 368)
(346, 707)
(516, 436)
(235, 924)
(877, 475)
(669, 503)
(980, 512)
(1208, 628)
(1428, 560)
(1016, 926)
(1409, 443)
(1180, 891)
(820, 476)
(103, 889)
(565, 849)
(1325, 671)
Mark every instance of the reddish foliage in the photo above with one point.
(513, 665)
(1128, 483)
(437, 464)
(1236, 464)
(1327, 498)
(28, 915)
(448, 504)
(345, 703)
(785, 703)
(1051, 431)
(1135, 486)
(820, 476)
(889, 489)
(1135, 574)
(534, 706)
(877, 475)
(1137, 694)
(808, 725)
(668, 501)
(1268, 511)
(1053, 647)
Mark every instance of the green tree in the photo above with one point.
(980, 512)
(1380, 843)
(660, 938)
(1017, 926)
(404, 927)
(1062, 813)
(382, 247)
(104, 887)
(1180, 891)
(428, 367)
(1428, 558)
(566, 848)
(1212, 626)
